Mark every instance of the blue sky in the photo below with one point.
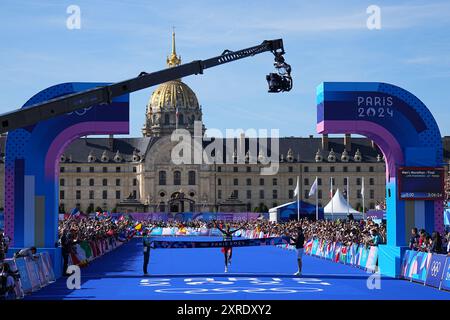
(324, 40)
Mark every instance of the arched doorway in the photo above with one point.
(180, 203)
(32, 166)
(406, 133)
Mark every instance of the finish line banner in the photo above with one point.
(219, 244)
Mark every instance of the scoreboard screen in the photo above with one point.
(421, 183)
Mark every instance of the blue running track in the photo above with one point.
(256, 273)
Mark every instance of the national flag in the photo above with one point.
(138, 226)
(313, 188)
(297, 189)
(75, 212)
(331, 188)
(362, 188)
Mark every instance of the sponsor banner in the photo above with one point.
(435, 270)
(363, 255)
(21, 265)
(446, 276)
(314, 247)
(351, 254)
(33, 273)
(372, 258)
(157, 231)
(343, 254)
(337, 252)
(218, 244)
(415, 265)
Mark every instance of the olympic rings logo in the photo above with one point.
(435, 267)
(279, 290)
(81, 112)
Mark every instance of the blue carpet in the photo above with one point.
(256, 273)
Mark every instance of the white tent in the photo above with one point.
(337, 208)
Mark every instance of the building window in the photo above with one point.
(319, 169)
(236, 194)
(358, 169)
(78, 169)
(371, 181)
(105, 182)
(331, 169)
(166, 119)
(249, 169)
(235, 182)
(61, 194)
(358, 181)
(134, 169)
(291, 169)
(345, 181)
(91, 169)
(275, 181)
(219, 169)
(61, 169)
(62, 182)
(372, 194)
(91, 182)
(371, 169)
(162, 178)
(261, 194)
(117, 194)
(191, 178)
(274, 194)
(117, 182)
(306, 169)
(219, 182)
(249, 181)
(180, 118)
(319, 181)
(78, 182)
(358, 193)
(135, 182)
(105, 169)
(291, 194)
(105, 194)
(249, 194)
(306, 182)
(235, 169)
(219, 194)
(134, 194)
(177, 178)
(261, 181)
(290, 181)
(319, 194)
(372, 205)
(345, 169)
(117, 169)
(78, 194)
(91, 194)
(306, 194)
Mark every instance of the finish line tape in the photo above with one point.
(156, 244)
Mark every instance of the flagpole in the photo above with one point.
(298, 199)
(317, 203)
(348, 196)
(363, 193)
(331, 195)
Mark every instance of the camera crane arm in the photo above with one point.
(103, 95)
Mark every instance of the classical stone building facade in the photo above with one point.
(138, 174)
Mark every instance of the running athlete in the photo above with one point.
(227, 236)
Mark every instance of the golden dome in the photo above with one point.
(173, 94)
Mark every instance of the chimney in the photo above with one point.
(111, 142)
(325, 141)
(348, 142)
